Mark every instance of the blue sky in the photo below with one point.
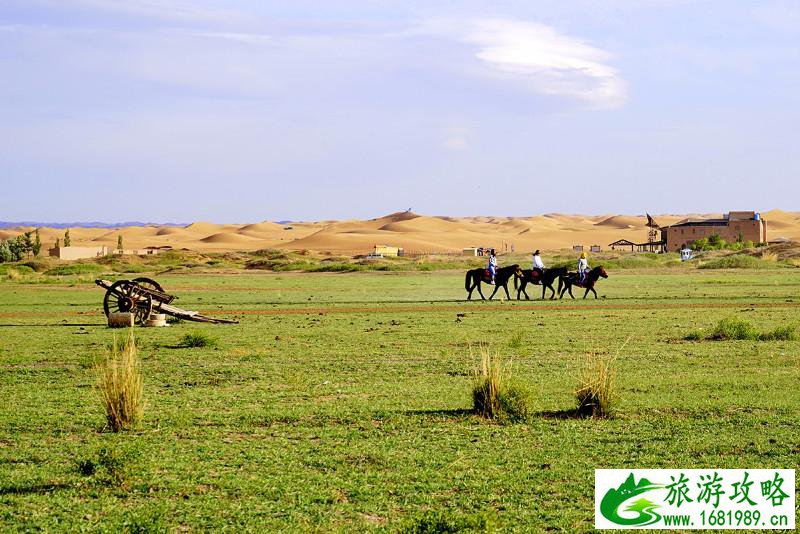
(240, 111)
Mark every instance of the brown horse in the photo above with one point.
(573, 279)
(501, 277)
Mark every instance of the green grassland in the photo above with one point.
(341, 402)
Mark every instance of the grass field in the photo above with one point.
(342, 401)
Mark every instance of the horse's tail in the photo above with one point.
(466, 281)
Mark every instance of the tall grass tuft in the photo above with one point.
(495, 393)
(596, 392)
(119, 381)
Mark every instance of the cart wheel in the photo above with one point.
(148, 283)
(124, 296)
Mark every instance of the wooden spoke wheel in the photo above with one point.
(149, 283)
(123, 296)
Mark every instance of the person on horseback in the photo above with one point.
(583, 267)
(537, 261)
(492, 267)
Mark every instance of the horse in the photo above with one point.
(573, 279)
(536, 276)
(503, 274)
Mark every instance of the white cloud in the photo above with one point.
(551, 62)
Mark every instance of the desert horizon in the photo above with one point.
(411, 231)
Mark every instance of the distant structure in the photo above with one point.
(622, 243)
(594, 248)
(577, 248)
(77, 253)
(733, 226)
(386, 250)
(81, 253)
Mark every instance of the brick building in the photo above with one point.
(733, 226)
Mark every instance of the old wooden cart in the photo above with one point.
(143, 296)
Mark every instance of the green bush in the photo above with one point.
(111, 466)
(739, 261)
(733, 328)
(198, 340)
(449, 522)
(18, 268)
(75, 268)
(781, 333)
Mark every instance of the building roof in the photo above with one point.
(702, 222)
(621, 243)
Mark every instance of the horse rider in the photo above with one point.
(537, 261)
(583, 267)
(492, 265)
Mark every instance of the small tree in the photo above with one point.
(5, 252)
(700, 244)
(37, 243)
(27, 242)
(58, 243)
(16, 248)
(67, 240)
(716, 242)
(119, 242)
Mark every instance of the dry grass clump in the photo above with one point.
(596, 392)
(769, 256)
(495, 394)
(119, 381)
(13, 274)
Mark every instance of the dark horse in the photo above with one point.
(572, 279)
(536, 276)
(476, 276)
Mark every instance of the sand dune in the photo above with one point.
(414, 232)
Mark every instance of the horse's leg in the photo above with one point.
(544, 286)
(496, 287)
(478, 284)
(587, 291)
(505, 286)
(570, 291)
(593, 291)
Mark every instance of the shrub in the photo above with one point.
(75, 268)
(781, 333)
(111, 466)
(517, 341)
(696, 335)
(738, 261)
(119, 381)
(596, 392)
(495, 394)
(733, 328)
(198, 340)
(446, 522)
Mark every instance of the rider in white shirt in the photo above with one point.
(492, 265)
(537, 261)
(583, 266)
